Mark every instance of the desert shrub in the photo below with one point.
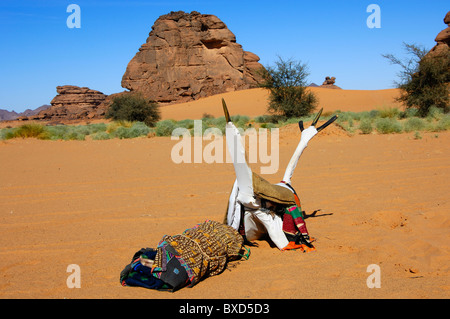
(443, 124)
(57, 132)
(268, 125)
(186, 123)
(240, 120)
(292, 120)
(137, 129)
(414, 124)
(100, 136)
(203, 128)
(408, 113)
(388, 112)
(424, 79)
(365, 126)
(435, 113)
(121, 132)
(81, 130)
(287, 83)
(344, 117)
(112, 127)
(417, 136)
(219, 123)
(387, 125)
(74, 134)
(134, 107)
(98, 127)
(29, 130)
(6, 133)
(262, 119)
(165, 128)
(374, 114)
(67, 132)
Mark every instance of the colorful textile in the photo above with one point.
(204, 249)
(185, 259)
(294, 227)
(170, 267)
(293, 222)
(136, 274)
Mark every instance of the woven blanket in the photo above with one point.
(203, 250)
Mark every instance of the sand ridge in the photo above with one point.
(254, 102)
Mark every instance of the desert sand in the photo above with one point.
(254, 102)
(378, 199)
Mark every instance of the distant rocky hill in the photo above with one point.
(12, 115)
(72, 103)
(329, 83)
(188, 56)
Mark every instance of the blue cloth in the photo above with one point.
(136, 274)
(141, 276)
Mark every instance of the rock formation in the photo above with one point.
(329, 83)
(73, 103)
(189, 56)
(442, 39)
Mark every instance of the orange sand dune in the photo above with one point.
(254, 102)
(380, 200)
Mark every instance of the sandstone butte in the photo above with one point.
(188, 56)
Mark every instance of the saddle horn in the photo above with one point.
(314, 122)
(225, 111)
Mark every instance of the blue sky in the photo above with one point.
(39, 52)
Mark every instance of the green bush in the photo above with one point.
(366, 126)
(262, 119)
(76, 135)
(443, 124)
(134, 107)
(388, 112)
(165, 128)
(435, 113)
(100, 136)
(219, 123)
(240, 120)
(28, 130)
(387, 125)
(289, 94)
(137, 129)
(408, 113)
(424, 79)
(268, 125)
(189, 124)
(417, 136)
(98, 127)
(6, 133)
(414, 124)
(67, 132)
